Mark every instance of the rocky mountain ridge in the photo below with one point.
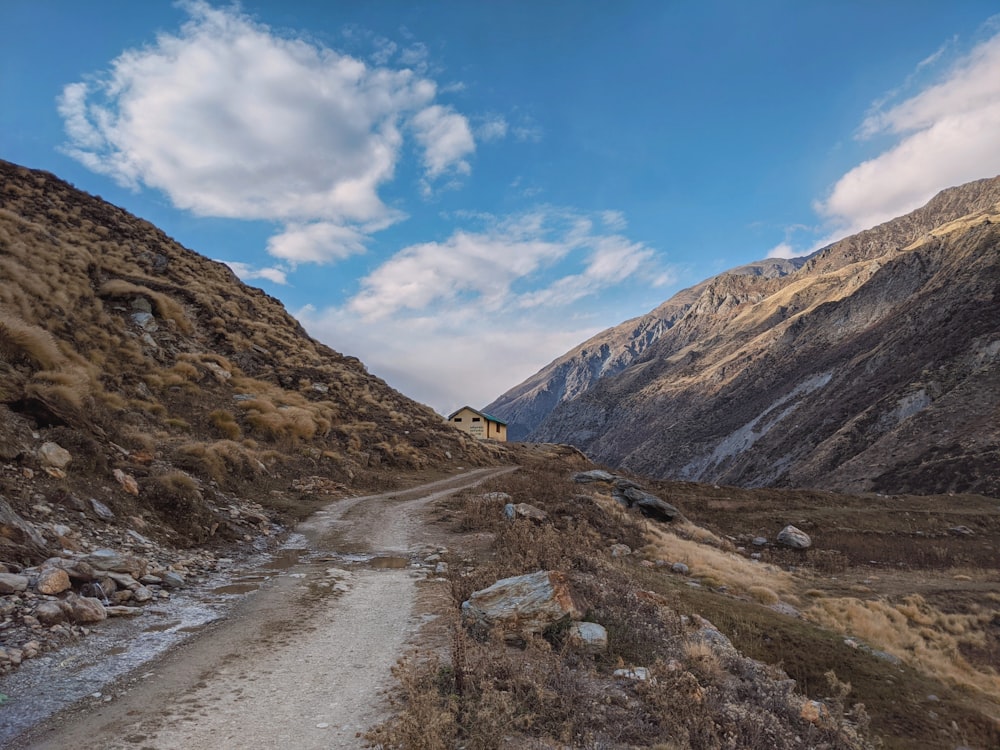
(874, 367)
(609, 352)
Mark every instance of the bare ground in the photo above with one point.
(298, 664)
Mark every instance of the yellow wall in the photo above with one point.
(478, 426)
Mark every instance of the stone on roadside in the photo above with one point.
(12, 583)
(172, 579)
(49, 613)
(640, 674)
(620, 550)
(680, 568)
(52, 581)
(523, 604)
(501, 497)
(109, 560)
(794, 538)
(85, 609)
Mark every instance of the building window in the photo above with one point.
(458, 419)
(476, 419)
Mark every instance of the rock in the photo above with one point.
(54, 456)
(961, 531)
(815, 712)
(588, 637)
(141, 304)
(524, 510)
(124, 580)
(594, 475)
(501, 497)
(172, 579)
(620, 550)
(441, 569)
(77, 570)
(680, 568)
(759, 541)
(12, 583)
(52, 581)
(85, 609)
(142, 595)
(19, 532)
(49, 613)
(127, 481)
(103, 511)
(648, 504)
(523, 604)
(220, 373)
(794, 538)
(640, 674)
(109, 560)
(145, 321)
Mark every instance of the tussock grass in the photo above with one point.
(721, 567)
(917, 633)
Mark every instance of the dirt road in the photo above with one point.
(303, 662)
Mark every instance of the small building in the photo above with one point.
(479, 424)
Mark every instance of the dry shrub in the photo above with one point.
(179, 501)
(226, 424)
(225, 461)
(181, 372)
(763, 594)
(710, 563)
(20, 341)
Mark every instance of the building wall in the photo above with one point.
(478, 426)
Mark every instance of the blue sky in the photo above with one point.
(457, 193)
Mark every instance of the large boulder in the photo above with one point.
(86, 609)
(794, 538)
(513, 511)
(651, 506)
(12, 583)
(52, 581)
(595, 475)
(106, 559)
(18, 533)
(523, 604)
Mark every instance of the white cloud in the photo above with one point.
(448, 364)
(614, 220)
(231, 119)
(446, 139)
(784, 250)
(246, 272)
(464, 319)
(492, 128)
(947, 134)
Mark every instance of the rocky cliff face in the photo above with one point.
(525, 406)
(875, 367)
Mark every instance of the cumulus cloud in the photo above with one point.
(231, 119)
(319, 242)
(946, 134)
(486, 269)
(464, 319)
(784, 250)
(492, 128)
(446, 139)
(246, 272)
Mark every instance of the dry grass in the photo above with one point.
(917, 633)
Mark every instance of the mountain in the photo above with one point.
(873, 367)
(525, 406)
(146, 360)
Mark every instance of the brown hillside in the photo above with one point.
(137, 354)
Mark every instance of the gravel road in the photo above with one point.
(302, 663)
